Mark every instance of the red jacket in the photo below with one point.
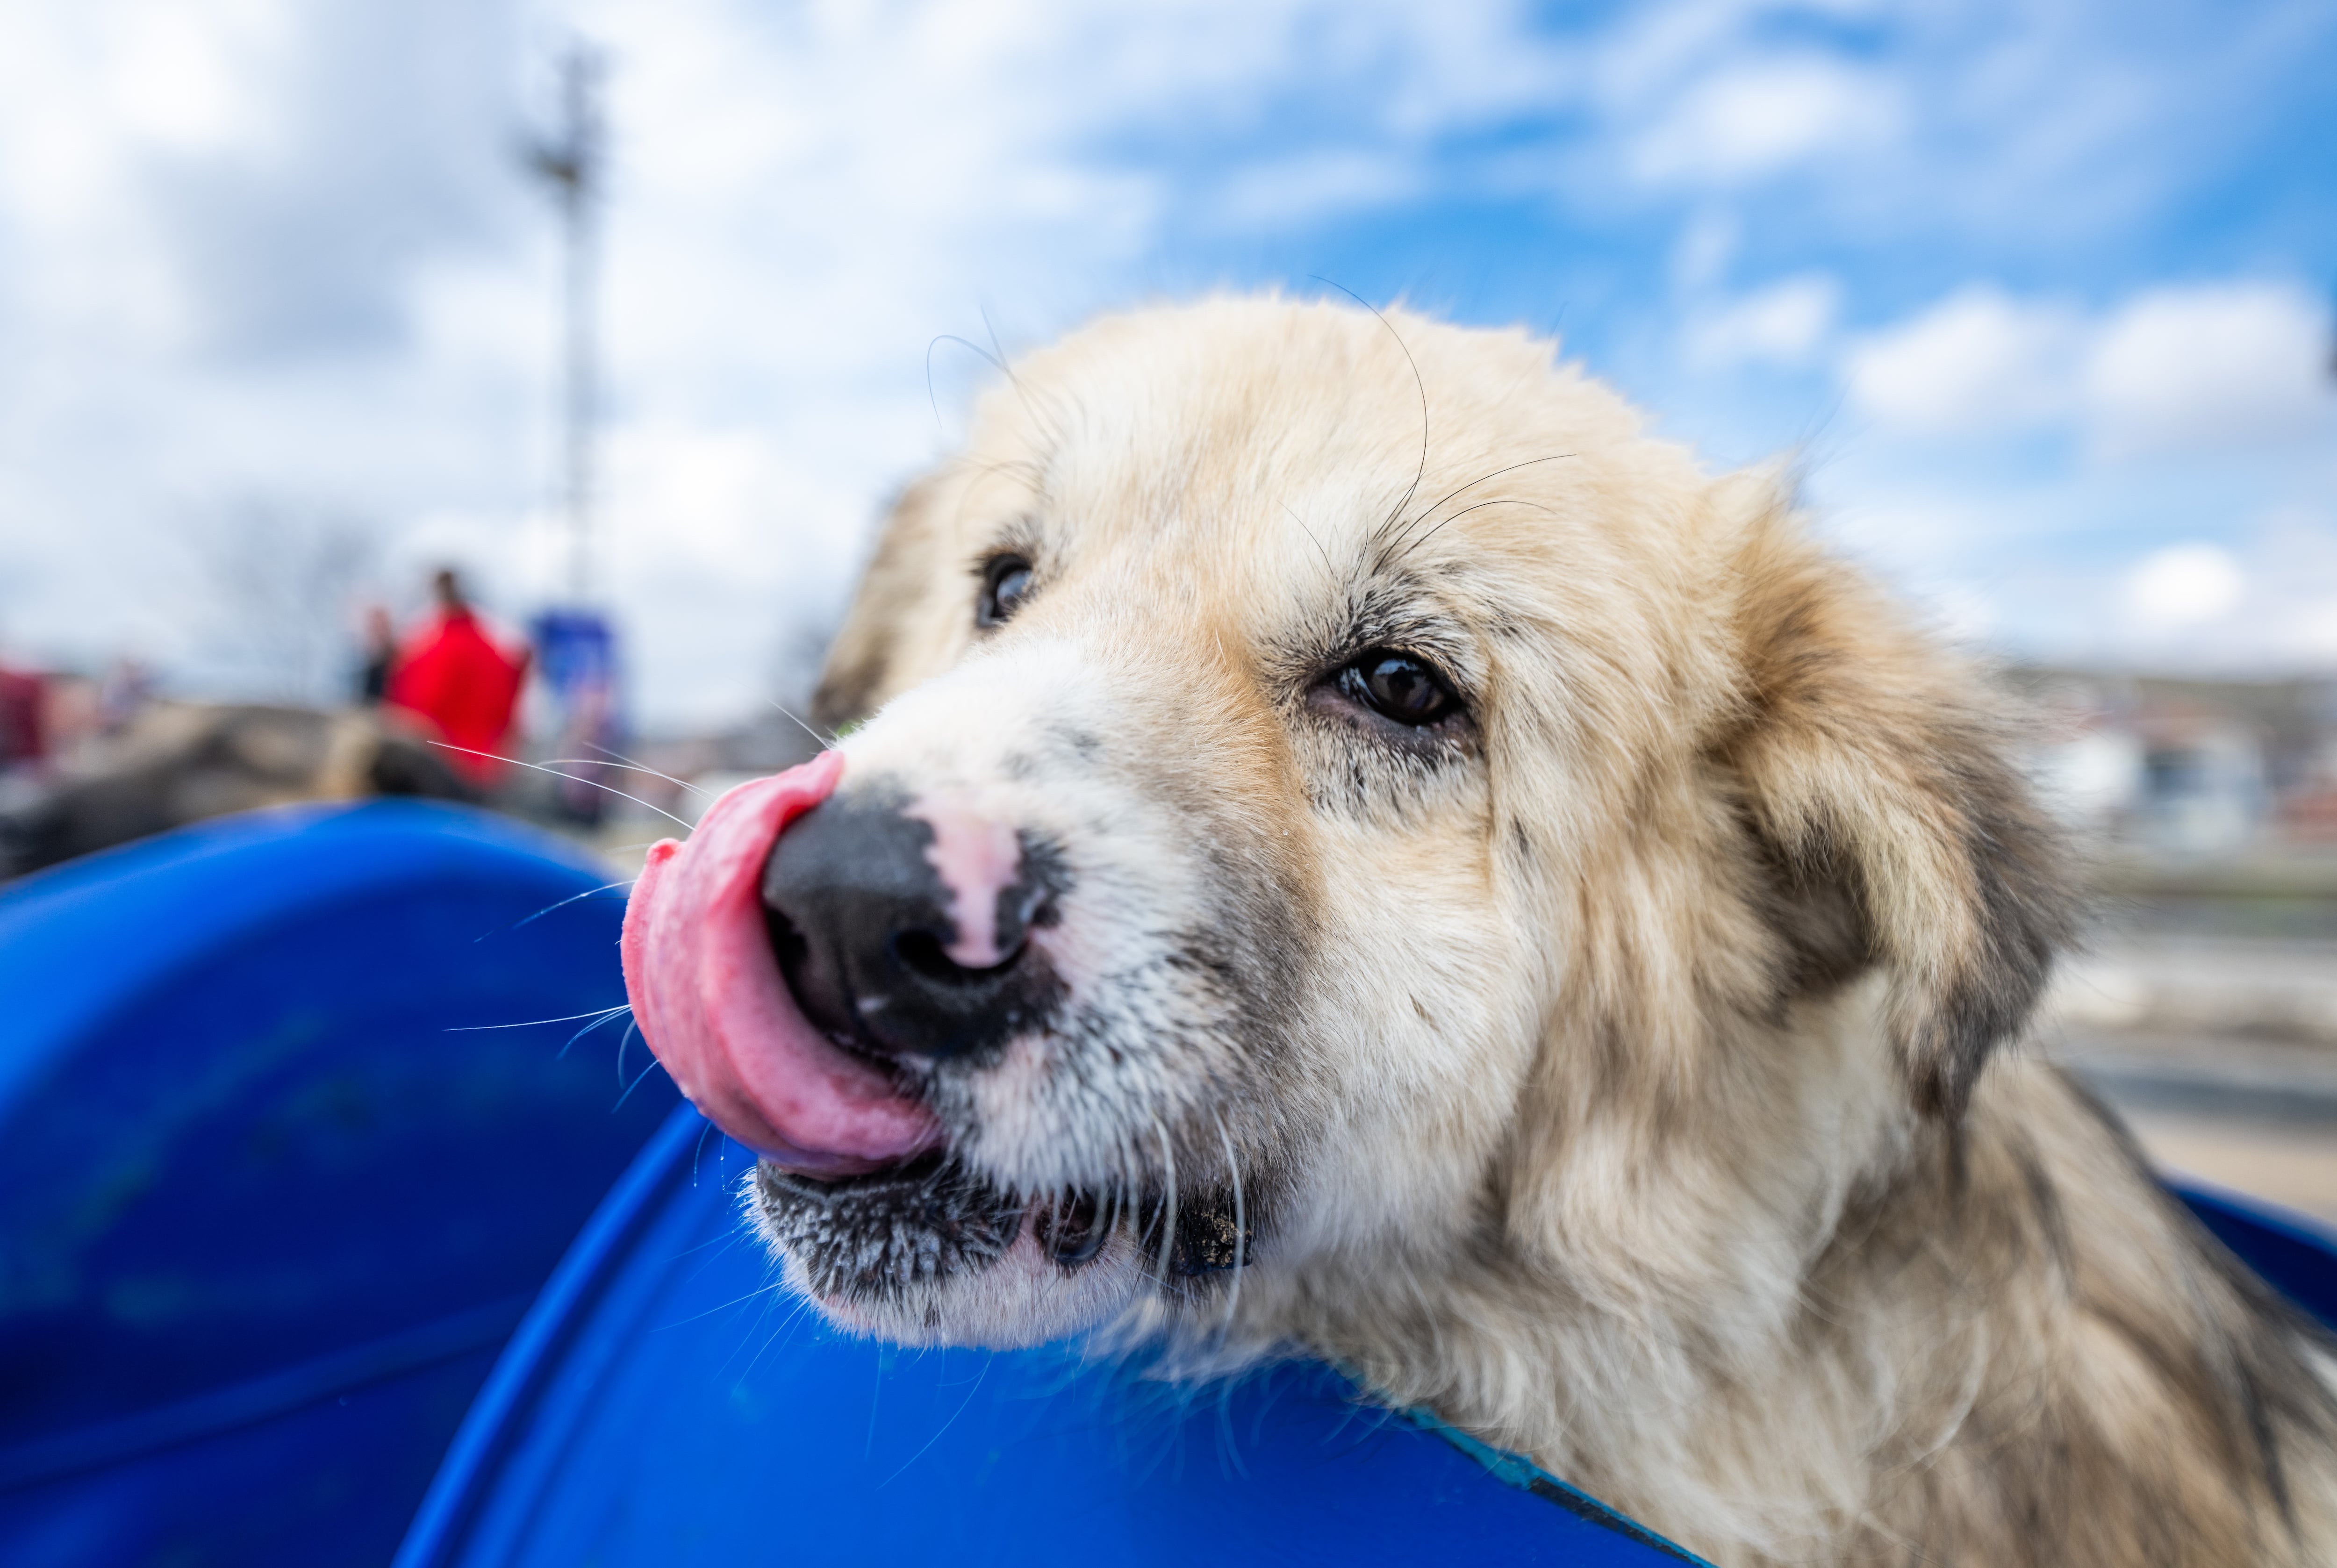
(455, 676)
(23, 735)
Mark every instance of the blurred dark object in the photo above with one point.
(24, 731)
(576, 651)
(451, 674)
(177, 763)
(380, 651)
(283, 1156)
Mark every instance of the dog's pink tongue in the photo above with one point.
(710, 999)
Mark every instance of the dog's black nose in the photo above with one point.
(898, 943)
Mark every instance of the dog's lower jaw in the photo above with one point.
(1019, 1298)
(932, 1254)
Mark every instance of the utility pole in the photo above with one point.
(572, 166)
(576, 645)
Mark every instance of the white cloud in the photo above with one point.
(2174, 371)
(2209, 366)
(241, 261)
(1782, 325)
(2184, 586)
(1288, 193)
(1977, 361)
(1701, 256)
(258, 247)
(1743, 122)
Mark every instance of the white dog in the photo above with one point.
(1355, 848)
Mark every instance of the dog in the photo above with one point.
(1344, 843)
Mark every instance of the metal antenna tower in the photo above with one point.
(572, 167)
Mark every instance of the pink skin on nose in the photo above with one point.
(710, 999)
(977, 859)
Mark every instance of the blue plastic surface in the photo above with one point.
(2295, 1256)
(271, 1200)
(665, 1405)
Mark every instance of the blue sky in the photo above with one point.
(2036, 297)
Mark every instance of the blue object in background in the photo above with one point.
(270, 1199)
(576, 655)
(665, 1405)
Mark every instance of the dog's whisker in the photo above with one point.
(622, 1040)
(636, 1083)
(599, 1023)
(943, 1429)
(1241, 1220)
(826, 742)
(1050, 423)
(1419, 383)
(1451, 495)
(572, 778)
(640, 768)
(1168, 1215)
(534, 1022)
(1294, 518)
(549, 908)
(1480, 506)
(1049, 419)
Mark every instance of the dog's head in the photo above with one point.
(1327, 794)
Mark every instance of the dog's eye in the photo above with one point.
(1399, 686)
(1005, 583)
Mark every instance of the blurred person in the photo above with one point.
(463, 681)
(23, 725)
(72, 721)
(125, 694)
(576, 655)
(380, 645)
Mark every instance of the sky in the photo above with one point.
(2035, 297)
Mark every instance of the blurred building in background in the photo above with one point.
(2188, 768)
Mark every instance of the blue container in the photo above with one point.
(2294, 1255)
(271, 1198)
(667, 1405)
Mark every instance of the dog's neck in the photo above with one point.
(1962, 1331)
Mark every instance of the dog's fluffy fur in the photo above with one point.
(1618, 1069)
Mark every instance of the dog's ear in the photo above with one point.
(861, 662)
(1893, 823)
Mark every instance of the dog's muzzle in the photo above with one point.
(802, 961)
(903, 927)
(807, 962)
(709, 997)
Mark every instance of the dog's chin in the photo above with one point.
(927, 1254)
(1023, 1299)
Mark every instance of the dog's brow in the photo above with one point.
(1395, 540)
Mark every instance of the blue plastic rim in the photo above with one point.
(278, 1178)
